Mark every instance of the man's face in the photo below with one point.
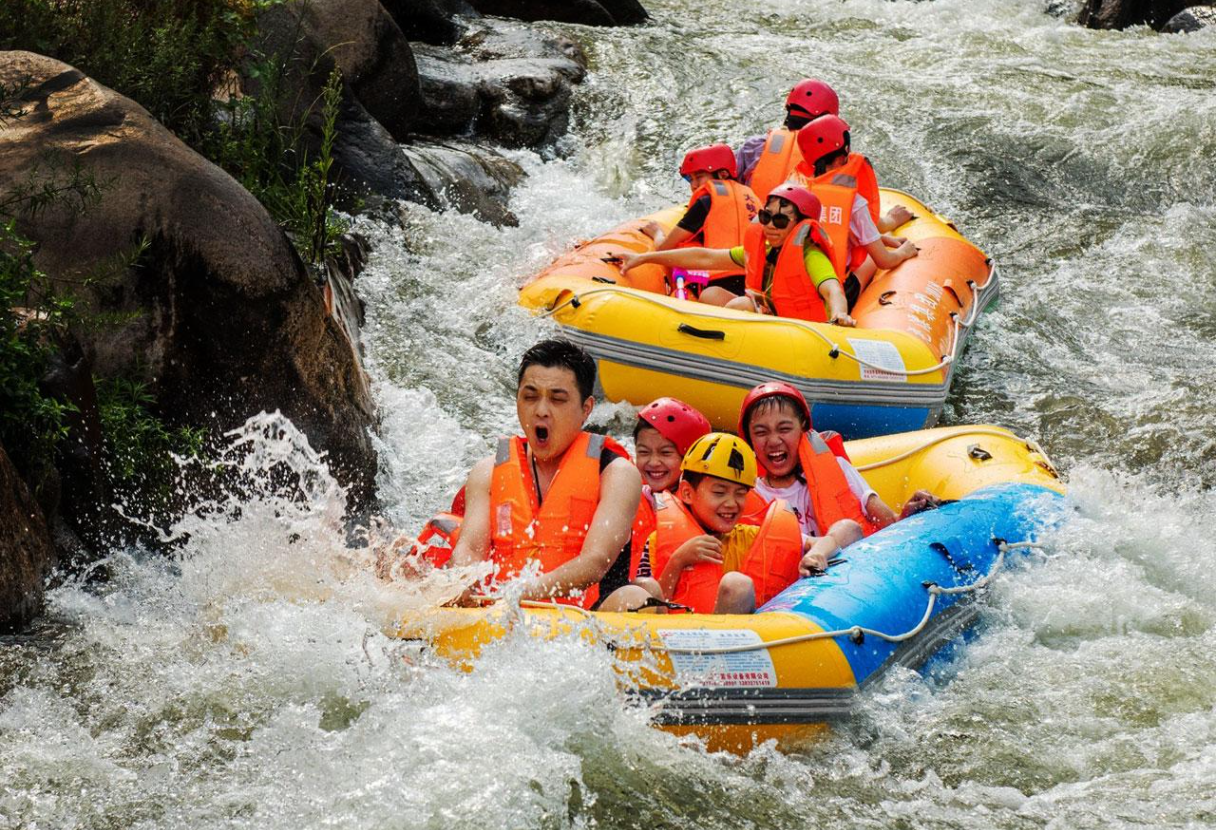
(550, 410)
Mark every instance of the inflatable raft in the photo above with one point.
(796, 664)
(889, 374)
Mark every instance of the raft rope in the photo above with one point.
(855, 632)
(958, 326)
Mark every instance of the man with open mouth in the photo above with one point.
(558, 496)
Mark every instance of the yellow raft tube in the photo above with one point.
(889, 374)
(784, 672)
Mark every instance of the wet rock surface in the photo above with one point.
(1190, 20)
(467, 177)
(1119, 14)
(223, 319)
(27, 554)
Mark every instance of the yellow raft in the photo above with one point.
(786, 671)
(889, 374)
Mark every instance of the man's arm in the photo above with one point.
(607, 535)
(475, 540)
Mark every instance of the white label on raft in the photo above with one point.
(734, 670)
(879, 353)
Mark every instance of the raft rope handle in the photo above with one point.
(957, 327)
(856, 632)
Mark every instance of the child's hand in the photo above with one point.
(842, 319)
(654, 230)
(699, 549)
(814, 560)
(906, 250)
(898, 215)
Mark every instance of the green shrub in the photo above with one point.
(168, 55)
(271, 160)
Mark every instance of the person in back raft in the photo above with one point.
(766, 161)
(787, 259)
(559, 496)
(702, 555)
(664, 431)
(808, 471)
(717, 215)
(834, 174)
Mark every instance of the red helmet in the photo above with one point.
(679, 422)
(805, 201)
(773, 389)
(710, 160)
(813, 97)
(821, 137)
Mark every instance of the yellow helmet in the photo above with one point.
(722, 455)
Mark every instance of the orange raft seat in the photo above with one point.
(891, 373)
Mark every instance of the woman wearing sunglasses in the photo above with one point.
(787, 261)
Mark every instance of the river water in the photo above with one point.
(249, 684)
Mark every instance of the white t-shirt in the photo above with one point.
(798, 500)
(862, 229)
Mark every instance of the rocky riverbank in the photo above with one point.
(182, 282)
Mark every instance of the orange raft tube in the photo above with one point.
(889, 374)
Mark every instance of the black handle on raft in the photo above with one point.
(705, 334)
(605, 280)
(885, 298)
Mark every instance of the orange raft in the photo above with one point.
(889, 374)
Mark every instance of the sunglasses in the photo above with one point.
(779, 220)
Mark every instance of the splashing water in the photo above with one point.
(250, 681)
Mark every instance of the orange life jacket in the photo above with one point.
(756, 504)
(641, 529)
(773, 560)
(829, 492)
(792, 293)
(439, 536)
(733, 207)
(552, 532)
(837, 190)
(779, 158)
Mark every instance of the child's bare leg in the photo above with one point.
(714, 295)
(626, 598)
(736, 595)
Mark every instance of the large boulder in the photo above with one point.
(588, 12)
(1192, 19)
(220, 318)
(26, 552)
(424, 20)
(509, 82)
(362, 40)
(1118, 14)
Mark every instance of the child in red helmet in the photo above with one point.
(787, 261)
(719, 211)
(846, 186)
(797, 464)
(664, 430)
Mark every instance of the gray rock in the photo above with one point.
(587, 12)
(509, 83)
(427, 21)
(27, 554)
(1118, 14)
(369, 166)
(1190, 20)
(362, 40)
(468, 178)
(226, 320)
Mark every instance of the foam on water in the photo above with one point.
(250, 680)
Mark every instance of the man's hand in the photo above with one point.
(842, 319)
(654, 230)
